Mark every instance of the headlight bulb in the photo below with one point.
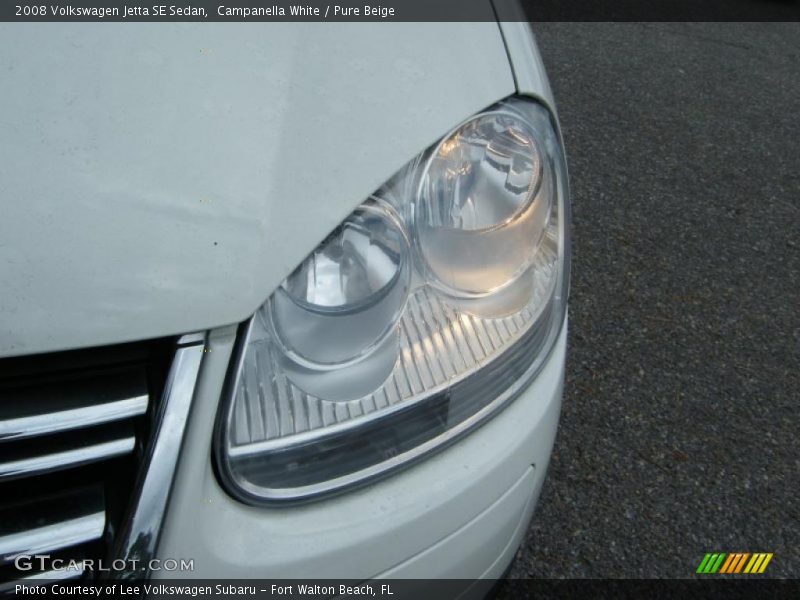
(343, 302)
(483, 205)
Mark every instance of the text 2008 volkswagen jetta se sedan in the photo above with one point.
(278, 300)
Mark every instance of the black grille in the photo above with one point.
(73, 430)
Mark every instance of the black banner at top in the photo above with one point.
(396, 10)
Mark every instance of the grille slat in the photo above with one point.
(34, 409)
(65, 459)
(55, 536)
(52, 522)
(51, 423)
(44, 577)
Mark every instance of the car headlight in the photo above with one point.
(428, 309)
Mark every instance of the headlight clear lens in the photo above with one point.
(427, 310)
(483, 206)
(341, 305)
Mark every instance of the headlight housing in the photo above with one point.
(428, 309)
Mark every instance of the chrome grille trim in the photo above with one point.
(68, 403)
(55, 536)
(45, 577)
(47, 463)
(51, 523)
(65, 420)
(139, 540)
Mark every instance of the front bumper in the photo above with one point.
(460, 513)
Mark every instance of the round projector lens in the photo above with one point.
(483, 204)
(346, 297)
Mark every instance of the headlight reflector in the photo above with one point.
(427, 310)
(348, 294)
(483, 205)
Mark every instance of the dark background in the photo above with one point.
(679, 428)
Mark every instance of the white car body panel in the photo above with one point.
(164, 178)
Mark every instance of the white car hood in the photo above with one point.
(161, 179)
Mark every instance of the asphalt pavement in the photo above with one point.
(679, 431)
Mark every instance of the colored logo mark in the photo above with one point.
(737, 562)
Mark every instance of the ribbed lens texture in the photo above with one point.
(415, 319)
